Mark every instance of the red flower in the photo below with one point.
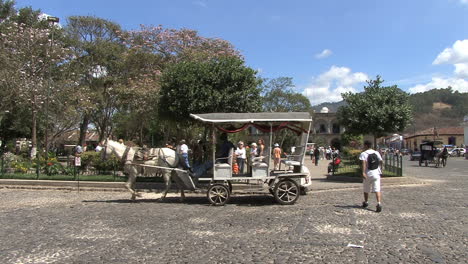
(50, 164)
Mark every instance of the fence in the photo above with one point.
(350, 166)
(37, 170)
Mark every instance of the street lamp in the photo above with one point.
(52, 20)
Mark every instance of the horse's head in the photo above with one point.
(107, 150)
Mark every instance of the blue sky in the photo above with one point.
(327, 47)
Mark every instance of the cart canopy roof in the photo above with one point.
(253, 117)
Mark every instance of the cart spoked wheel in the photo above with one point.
(286, 192)
(218, 194)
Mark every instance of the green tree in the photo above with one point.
(279, 96)
(219, 85)
(378, 110)
(99, 52)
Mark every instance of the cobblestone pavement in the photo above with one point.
(421, 222)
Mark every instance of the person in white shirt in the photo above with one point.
(371, 172)
(183, 150)
(241, 156)
(98, 147)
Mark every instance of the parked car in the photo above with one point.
(415, 155)
(457, 152)
(404, 151)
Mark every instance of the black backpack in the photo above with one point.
(372, 161)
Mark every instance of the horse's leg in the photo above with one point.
(130, 184)
(167, 181)
(179, 185)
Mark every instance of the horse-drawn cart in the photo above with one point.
(430, 153)
(217, 175)
(286, 185)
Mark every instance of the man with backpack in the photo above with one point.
(371, 172)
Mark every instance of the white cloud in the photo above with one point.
(456, 55)
(325, 53)
(328, 86)
(457, 84)
(464, 1)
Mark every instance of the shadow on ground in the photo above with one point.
(244, 200)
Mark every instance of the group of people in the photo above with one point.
(242, 154)
(321, 153)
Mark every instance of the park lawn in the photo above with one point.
(353, 170)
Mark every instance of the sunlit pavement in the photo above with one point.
(424, 220)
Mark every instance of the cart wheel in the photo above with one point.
(286, 192)
(218, 194)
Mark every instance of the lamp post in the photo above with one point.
(52, 20)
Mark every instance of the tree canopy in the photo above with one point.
(378, 110)
(280, 97)
(222, 84)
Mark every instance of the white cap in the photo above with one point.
(276, 145)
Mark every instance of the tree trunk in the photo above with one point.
(84, 129)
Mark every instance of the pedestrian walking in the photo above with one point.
(371, 172)
(317, 156)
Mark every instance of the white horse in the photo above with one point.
(161, 157)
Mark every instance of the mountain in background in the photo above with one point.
(434, 108)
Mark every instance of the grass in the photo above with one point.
(352, 170)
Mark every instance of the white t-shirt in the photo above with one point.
(240, 153)
(371, 173)
(184, 149)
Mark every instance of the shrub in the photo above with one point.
(93, 159)
(21, 166)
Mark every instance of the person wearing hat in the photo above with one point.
(277, 156)
(241, 156)
(253, 150)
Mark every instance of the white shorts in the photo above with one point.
(371, 184)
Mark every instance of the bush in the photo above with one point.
(21, 166)
(93, 159)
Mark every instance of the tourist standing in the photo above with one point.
(277, 156)
(241, 156)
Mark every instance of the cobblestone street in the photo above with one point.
(423, 220)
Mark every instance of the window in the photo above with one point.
(452, 141)
(322, 128)
(336, 129)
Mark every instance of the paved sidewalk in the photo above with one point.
(318, 175)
